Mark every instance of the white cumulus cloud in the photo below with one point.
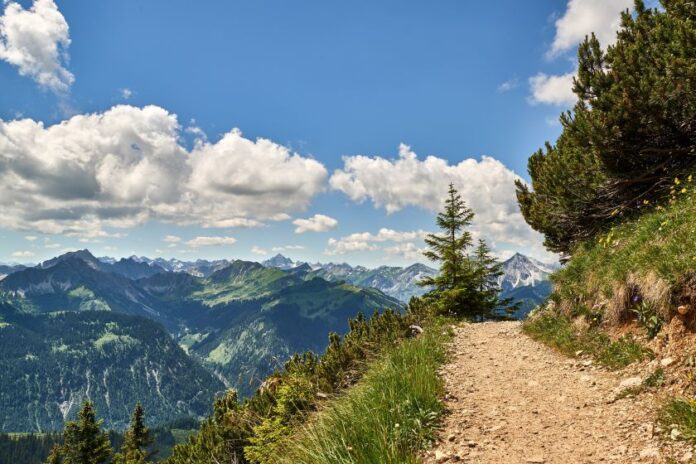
(36, 41)
(278, 249)
(316, 223)
(366, 241)
(407, 250)
(257, 250)
(509, 85)
(552, 90)
(486, 185)
(340, 247)
(171, 239)
(125, 166)
(582, 17)
(211, 241)
(23, 254)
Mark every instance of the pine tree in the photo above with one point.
(136, 440)
(487, 271)
(453, 285)
(56, 455)
(84, 440)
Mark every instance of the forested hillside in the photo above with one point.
(53, 362)
(97, 330)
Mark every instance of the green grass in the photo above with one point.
(659, 244)
(387, 418)
(559, 332)
(680, 413)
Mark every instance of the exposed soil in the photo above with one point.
(511, 399)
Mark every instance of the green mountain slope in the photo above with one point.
(73, 284)
(247, 340)
(240, 323)
(51, 363)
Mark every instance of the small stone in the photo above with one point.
(666, 362)
(630, 382)
(579, 352)
(451, 437)
(674, 434)
(440, 456)
(687, 457)
(536, 460)
(471, 444)
(650, 452)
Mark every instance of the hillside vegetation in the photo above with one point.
(616, 195)
(387, 418)
(642, 268)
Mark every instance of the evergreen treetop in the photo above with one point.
(84, 441)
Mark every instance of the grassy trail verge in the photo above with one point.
(388, 417)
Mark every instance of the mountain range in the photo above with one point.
(78, 327)
(173, 333)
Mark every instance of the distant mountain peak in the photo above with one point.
(83, 255)
(280, 261)
(521, 271)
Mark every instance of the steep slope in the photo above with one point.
(7, 269)
(644, 265)
(132, 269)
(244, 280)
(51, 363)
(281, 262)
(198, 268)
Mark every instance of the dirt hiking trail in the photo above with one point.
(511, 399)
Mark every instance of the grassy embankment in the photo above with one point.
(388, 417)
(642, 272)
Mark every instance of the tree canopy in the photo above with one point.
(630, 134)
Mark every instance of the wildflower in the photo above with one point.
(677, 181)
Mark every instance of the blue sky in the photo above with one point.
(119, 117)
